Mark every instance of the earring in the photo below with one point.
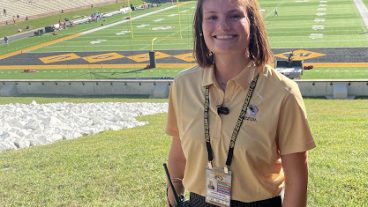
(211, 57)
(247, 53)
(200, 34)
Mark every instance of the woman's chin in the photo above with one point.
(229, 52)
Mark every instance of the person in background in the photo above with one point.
(6, 40)
(236, 123)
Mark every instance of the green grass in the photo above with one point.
(109, 169)
(291, 29)
(316, 73)
(339, 164)
(365, 2)
(336, 73)
(124, 168)
(11, 29)
(89, 73)
(36, 40)
(138, 34)
(343, 27)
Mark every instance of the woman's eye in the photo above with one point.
(211, 18)
(235, 17)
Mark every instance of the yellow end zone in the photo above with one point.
(103, 57)
(59, 58)
(144, 57)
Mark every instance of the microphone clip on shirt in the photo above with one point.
(222, 110)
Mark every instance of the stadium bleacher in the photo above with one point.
(17, 10)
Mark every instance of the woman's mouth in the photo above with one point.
(224, 37)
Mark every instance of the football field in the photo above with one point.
(327, 34)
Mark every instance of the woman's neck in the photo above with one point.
(227, 68)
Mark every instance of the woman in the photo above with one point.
(239, 130)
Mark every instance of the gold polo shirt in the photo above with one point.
(275, 124)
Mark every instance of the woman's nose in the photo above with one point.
(224, 24)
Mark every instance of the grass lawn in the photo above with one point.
(70, 74)
(316, 73)
(124, 168)
(89, 73)
(365, 2)
(336, 73)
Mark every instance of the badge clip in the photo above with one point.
(210, 165)
(226, 170)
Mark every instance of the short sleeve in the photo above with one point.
(171, 125)
(293, 133)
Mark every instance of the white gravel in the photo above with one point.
(25, 125)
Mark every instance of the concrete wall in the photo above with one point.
(338, 89)
(149, 88)
(154, 88)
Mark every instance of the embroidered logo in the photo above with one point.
(251, 113)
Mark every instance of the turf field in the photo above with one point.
(300, 24)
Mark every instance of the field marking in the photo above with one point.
(97, 66)
(142, 25)
(127, 20)
(318, 27)
(38, 46)
(124, 32)
(80, 34)
(97, 41)
(162, 28)
(314, 36)
(158, 20)
(363, 11)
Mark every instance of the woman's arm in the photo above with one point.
(296, 179)
(176, 166)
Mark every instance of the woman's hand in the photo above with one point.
(176, 166)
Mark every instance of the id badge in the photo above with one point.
(218, 185)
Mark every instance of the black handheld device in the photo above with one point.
(181, 202)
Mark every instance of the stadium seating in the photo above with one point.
(20, 9)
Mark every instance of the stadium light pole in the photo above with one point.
(177, 5)
(130, 21)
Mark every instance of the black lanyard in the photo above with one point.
(239, 122)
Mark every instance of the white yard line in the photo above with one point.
(126, 20)
(362, 10)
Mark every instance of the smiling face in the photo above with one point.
(225, 27)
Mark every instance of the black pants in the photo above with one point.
(199, 201)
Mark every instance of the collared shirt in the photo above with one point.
(275, 124)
